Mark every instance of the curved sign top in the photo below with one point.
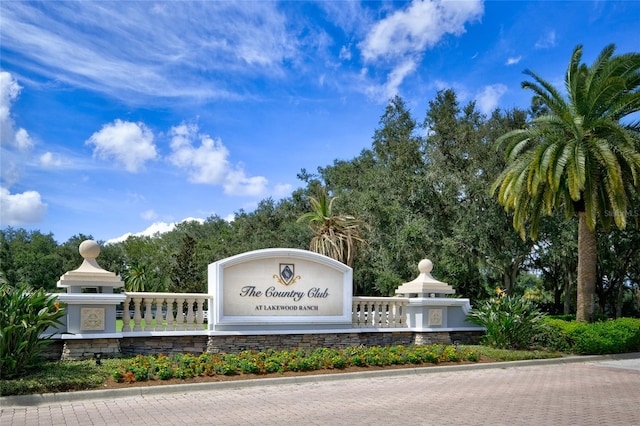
(288, 287)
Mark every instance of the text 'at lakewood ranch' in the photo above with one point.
(286, 307)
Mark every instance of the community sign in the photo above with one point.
(280, 286)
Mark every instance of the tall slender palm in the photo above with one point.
(334, 236)
(578, 156)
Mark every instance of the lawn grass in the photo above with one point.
(60, 376)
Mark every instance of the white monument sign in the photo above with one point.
(280, 286)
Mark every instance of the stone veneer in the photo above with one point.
(227, 344)
(163, 345)
(53, 351)
(73, 349)
(150, 345)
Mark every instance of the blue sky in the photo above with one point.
(121, 117)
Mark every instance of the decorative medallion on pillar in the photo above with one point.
(435, 317)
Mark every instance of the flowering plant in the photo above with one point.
(25, 314)
(511, 322)
(183, 366)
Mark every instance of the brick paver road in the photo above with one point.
(577, 393)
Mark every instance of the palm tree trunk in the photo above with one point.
(587, 258)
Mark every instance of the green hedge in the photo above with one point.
(604, 337)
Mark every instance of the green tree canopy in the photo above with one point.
(578, 156)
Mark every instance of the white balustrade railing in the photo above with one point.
(166, 311)
(379, 312)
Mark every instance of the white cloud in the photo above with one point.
(208, 163)
(514, 60)
(345, 53)
(202, 45)
(402, 37)
(10, 170)
(488, 99)
(16, 145)
(394, 80)
(11, 136)
(21, 209)
(49, 159)
(419, 26)
(154, 229)
(130, 144)
(23, 140)
(237, 183)
(351, 16)
(546, 40)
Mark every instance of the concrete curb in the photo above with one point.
(65, 397)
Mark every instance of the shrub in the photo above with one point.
(604, 337)
(25, 314)
(164, 373)
(183, 366)
(552, 337)
(510, 322)
(338, 362)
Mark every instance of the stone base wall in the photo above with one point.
(432, 338)
(169, 345)
(87, 348)
(466, 337)
(53, 351)
(231, 344)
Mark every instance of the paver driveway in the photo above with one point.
(602, 392)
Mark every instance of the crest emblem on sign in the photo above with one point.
(287, 274)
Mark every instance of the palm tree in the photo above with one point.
(334, 236)
(135, 277)
(577, 156)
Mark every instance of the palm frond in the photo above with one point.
(578, 156)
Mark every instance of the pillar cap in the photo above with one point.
(425, 285)
(90, 274)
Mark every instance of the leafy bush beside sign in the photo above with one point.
(25, 314)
